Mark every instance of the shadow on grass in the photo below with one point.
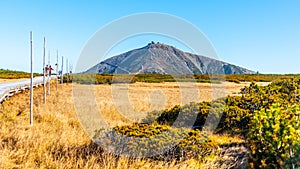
(83, 152)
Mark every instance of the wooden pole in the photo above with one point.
(56, 69)
(49, 76)
(31, 81)
(44, 70)
(62, 67)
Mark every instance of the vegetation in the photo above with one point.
(274, 137)
(264, 119)
(153, 78)
(158, 142)
(57, 140)
(10, 74)
(159, 78)
(258, 77)
(267, 116)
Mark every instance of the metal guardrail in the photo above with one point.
(8, 89)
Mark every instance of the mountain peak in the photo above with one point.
(159, 45)
(161, 58)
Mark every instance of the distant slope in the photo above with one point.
(12, 74)
(164, 59)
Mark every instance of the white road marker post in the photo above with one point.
(56, 69)
(44, 70)
(31, 81)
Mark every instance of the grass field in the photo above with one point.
(57, 140)
(147, 97)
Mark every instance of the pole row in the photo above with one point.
(46, 72)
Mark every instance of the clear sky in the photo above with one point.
(261, 35)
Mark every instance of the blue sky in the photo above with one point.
(260, 35)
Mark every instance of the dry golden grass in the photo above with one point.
(57, 140)
(146, 97)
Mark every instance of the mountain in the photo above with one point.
(164, 59)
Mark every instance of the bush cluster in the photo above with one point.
(160, 142)
(268, 116)
(275, 137)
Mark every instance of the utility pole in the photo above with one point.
(31, 81)
(44, 70)
(49, 75)
(62, 67)
(56, 69)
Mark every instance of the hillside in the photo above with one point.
(164, 59)
(12, 74)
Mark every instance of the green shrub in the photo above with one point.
(234, 120)
(274, 137)
(160, 142)
(191, 114)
